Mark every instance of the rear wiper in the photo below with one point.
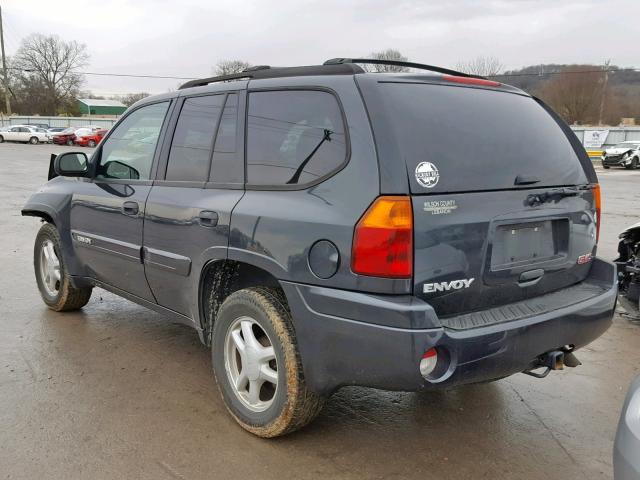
(526, 180)
(554, 195)
(326, 137)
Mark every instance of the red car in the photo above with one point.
(66, 137)
(90, 139)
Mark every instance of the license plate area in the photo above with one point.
(521, 244)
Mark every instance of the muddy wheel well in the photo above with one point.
(220, 279)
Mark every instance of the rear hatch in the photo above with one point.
(503, 210)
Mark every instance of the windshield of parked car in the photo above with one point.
(627, 145)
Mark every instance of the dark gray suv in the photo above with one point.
(322, 226)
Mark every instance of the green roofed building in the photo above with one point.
(91, 106)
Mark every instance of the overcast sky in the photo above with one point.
(187, 38)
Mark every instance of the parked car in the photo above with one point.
(66, 137)
(626, 449)
(322, 226)
(24, 133)
(625, 154)
(90, 139)
(44, 126)
(628, 263)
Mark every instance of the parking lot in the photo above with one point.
(117, 391)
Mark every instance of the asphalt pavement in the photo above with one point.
(116, 391)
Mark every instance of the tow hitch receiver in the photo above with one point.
(554, 360)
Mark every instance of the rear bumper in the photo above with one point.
(350, 338)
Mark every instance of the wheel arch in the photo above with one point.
(40, 212)
(224, 277)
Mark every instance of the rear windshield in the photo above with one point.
(457, 139)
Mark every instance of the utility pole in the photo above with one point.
(4, 68)
(604, 90)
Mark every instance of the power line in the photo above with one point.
(168, 77)
(561, 72)
(102, 74)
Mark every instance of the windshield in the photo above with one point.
(468, 139)
(627, 145)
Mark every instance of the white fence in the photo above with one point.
(58, 121)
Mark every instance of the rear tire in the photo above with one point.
(282, 402)
(34, 140)
(634, 163)
(1, 139)
(51, 275)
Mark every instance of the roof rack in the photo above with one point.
(420, 66)
(265, 71)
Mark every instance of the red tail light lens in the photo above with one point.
(471, 81)
(598, 201)
(383, 239)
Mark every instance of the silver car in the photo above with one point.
(626, 449)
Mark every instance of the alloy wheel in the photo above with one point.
(250, 363)
(50, 268)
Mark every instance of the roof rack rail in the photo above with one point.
(200, 82)
(420, 66)
(265, 71)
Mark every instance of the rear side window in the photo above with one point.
(456, 139)
(193, 139)
(293, 137)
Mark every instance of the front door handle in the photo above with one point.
(207, 218)
(130, 208)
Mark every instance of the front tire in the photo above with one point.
(257, 364)
(70, 142)
(1, 139)
(92, 143)
(51, 275)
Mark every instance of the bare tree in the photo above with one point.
(482, 66)
(131, 98)
(51, 63)
(575, 93)
(227, 67)
(389, 54)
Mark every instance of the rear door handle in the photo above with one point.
(207, 218)
(130, 208)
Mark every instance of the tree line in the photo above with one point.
(44, 77)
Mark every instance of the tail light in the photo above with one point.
(383, 239)
(598, 200)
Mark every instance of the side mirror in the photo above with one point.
(71, 164)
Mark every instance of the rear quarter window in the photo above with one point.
(294, 137)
